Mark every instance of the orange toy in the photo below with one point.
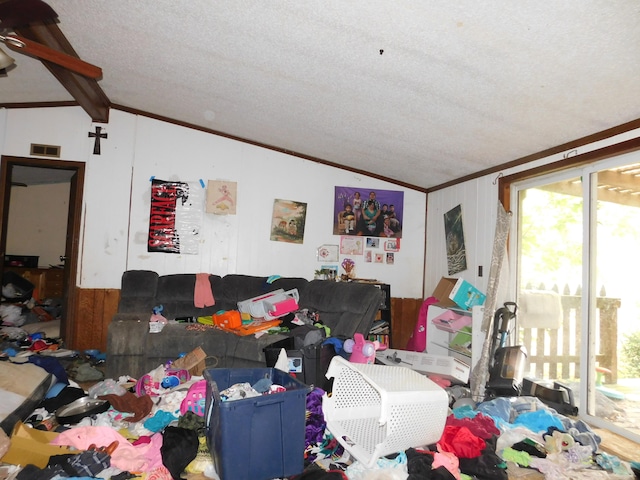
(228, 320)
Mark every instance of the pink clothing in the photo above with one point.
(202, 294)
(127, 457)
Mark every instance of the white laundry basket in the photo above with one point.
(376, 410)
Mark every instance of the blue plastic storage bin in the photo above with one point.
(256, 438)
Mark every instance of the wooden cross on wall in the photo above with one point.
(97, 135)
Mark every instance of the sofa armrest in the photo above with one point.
(131, 317)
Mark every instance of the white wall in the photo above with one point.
(117, 199)
(479, 202)
(37, 225)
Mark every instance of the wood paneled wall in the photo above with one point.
(94, 309)
(404, 314)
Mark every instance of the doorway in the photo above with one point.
(576, 241)
(16, 172)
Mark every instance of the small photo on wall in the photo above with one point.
(392, 245)
(373, 242)
(288, 221)
(379, 258)
(368, 256)
(390, 258)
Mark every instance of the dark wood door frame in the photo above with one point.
(68, 324)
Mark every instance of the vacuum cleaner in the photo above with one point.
(506, 370)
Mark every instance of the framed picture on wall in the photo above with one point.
(288, 221)
(328, 253)
(362, 212)
(454, 237)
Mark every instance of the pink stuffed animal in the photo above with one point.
(361, 350)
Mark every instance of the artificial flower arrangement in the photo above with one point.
(349, 266)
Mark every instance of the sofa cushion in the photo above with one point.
(345, 307)
(236, 288)
(138, 291)
(176, 295)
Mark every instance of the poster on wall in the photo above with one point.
(175, 217)
(288, 220)
(221, 197)
(456, 250)
(368, 212)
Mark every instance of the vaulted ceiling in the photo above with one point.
(422, 93)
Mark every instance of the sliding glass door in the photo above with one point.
(578, 235)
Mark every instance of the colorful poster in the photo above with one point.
(175, 216)
(288, 220)
(368, 212)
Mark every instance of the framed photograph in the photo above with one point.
(392, 245)
(288, 220)
(368, 212)
(390, 258)
(330, 272)
(351, 245)
(328, 253)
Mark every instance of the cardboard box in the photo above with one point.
(441, 365)
(457, 292)
(29, 445)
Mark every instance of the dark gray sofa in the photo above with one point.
(345, 307)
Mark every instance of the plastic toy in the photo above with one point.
(227, 319)
(271, 305)
(361, 350)
(157, 315)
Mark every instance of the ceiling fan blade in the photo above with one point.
(23, 45)
(15, 13)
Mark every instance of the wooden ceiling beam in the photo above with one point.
(85, 91)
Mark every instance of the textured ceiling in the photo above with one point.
(420, 92)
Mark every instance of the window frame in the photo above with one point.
(576, 165)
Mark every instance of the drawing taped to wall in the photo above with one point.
(175, 216)
(351, 245)
(221, 197)
(288, 221)
(456, 250)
